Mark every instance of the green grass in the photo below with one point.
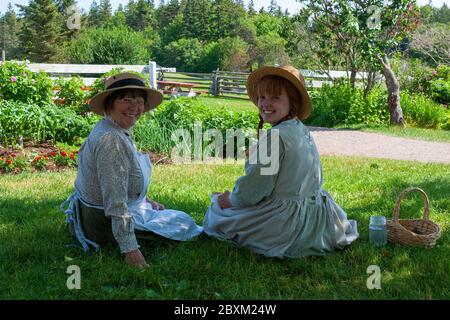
(235, 104)
(408, 132)
(33, 235)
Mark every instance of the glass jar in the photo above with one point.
(378, 231)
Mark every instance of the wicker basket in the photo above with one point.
(418, 232)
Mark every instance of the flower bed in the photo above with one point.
(47, 157)
(34, 158)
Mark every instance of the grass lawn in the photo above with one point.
(237, 104)
(409, 132)
(34, 257)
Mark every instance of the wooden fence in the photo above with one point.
(216, 83)
(90, 72)
(233, 84)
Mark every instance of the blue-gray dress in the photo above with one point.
(285, 214)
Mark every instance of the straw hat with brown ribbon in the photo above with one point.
(289, 73)
(120, 81)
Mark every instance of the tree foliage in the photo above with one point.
(40, 32)
(118, 45)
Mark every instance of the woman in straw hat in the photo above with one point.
(283, 212)
(109, 204)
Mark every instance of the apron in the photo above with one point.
(171, 224)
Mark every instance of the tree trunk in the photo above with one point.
(370, 82)
(353, 77)
(393, 88)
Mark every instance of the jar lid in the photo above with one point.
(377, 220)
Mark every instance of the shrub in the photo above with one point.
(154, 131)
(116, 45)
(233, 54)
(18, 83)
(421, 111)
(436, 84)
(71, 95)
(371, 109)
(40, 123)
(410, 74)
(184, 54)
(340, 104)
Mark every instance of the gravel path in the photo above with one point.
(374, 145)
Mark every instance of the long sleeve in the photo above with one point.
(260, 174)
(114, 159)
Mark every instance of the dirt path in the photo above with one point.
(375, 145)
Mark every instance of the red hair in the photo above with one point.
(273, 85)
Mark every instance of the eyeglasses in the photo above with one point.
(130, 101)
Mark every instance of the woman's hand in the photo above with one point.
(224, 200)
(156, 205)
(135, 259)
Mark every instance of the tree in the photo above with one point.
(104, 11)
(40, 31)
(166, 13)
(184, 54)
(431, 43)
(173, 30)
(140, 15)
(251, 8)
(65, 13)
(225, 17)
(269, 50)
(112, 45)
(94, 16)
(364, 33)
(118, 19)
(9, 28)
(442, 15)
(266, 24)
(275, 9)
(233, 54)
(197, 16)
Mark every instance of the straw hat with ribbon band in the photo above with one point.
(125, 81)
(288, 72)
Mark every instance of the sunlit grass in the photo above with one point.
(408, 132)
(33, 238)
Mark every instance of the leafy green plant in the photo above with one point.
(18, 83)
(64, 159)
(12, 164)
(71, 95)
(436, 84)
(154, 130)
(422, 111)
(40, 162)
(370, 109)
(342, 104)
(31, 122)
(109, 45)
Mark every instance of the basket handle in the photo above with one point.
(426, 203)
